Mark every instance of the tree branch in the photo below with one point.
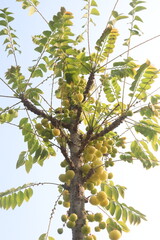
(55, 122)
(111, 127)
(89, 84)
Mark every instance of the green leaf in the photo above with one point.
(115, 14)
(93, 3)
(94, 11)
(28, 192)
(124, 226)
(21, 159)
(118, 212)
(28, 164)
(42, 237)
(120, 17)
(39, 49)
(3, 23)
(20, 198)
(13, 200)
(124, 214)
(139, 8)
(115, 193)
(112, 207)
(138, 76)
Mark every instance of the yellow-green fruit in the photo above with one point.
(103, 176)
(62, 177)
(98, 145)
(99, 170)
(66, 204)
(102, 225)
(97, 229)
(110, 142)
(115, 234)
(98, 154)
(104, 203)
(88, 157)
(64, 218)
(90, 217)
(44, 122)
(90, 149)
(73, 217)
(85, 168)
(90, 186)
(39, 126)
(98, 217)
(94, 200)
(104, 149)
(110, 175)
(71, 224)
(70, 174)
(60, 230)
(64, 163)
(86, 229)
(79, 97)
(56, 132)
(94, 191)
(101, 196)
(89, 238)
(97, 163)
(66, 196)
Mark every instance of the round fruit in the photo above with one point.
(104, 203)
(110, 175)
(94, 191)
(70, 174)
(64, 218)
(102, 225)
(79, 97)
(90, 186)
(103, 176)
(104, 149)
(85, 168)
(38, 126)
(56, 132)
(98, 154)
(115, 234)
(73, 217)
(90, 217)
(60, 230)
(89, 238)
(90, 149)
(98, 217)
(71, 224)
(94, 200)
(97, 229)
(66, 204)
(62, 177)
(86, 229)
(101, 196)
(64, 163)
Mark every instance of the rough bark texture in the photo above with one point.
(77, 198)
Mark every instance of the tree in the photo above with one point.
(98, 99)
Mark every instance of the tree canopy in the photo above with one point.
(90, 102)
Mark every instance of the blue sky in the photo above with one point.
(31, 220)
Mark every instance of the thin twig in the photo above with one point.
(51, 216)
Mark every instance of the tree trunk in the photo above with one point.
(77, 197)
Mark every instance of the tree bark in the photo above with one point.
(77, 197)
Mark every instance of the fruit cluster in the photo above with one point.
(46, 130)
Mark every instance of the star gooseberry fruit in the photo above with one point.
(79, 97)
(115, 234)
(56, 132)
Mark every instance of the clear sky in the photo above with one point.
(31, 220)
